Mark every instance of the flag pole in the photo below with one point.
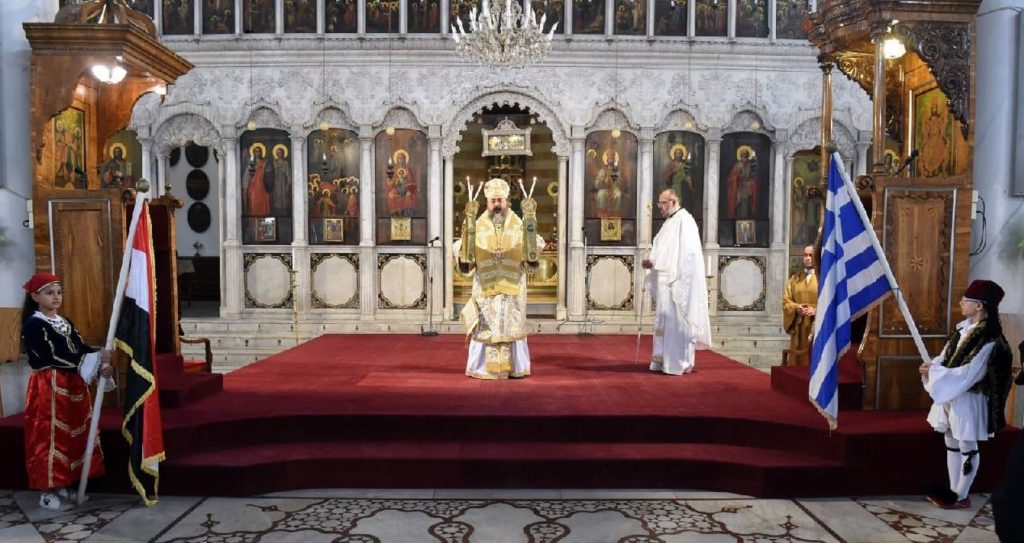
(883, 261)
(115, 314)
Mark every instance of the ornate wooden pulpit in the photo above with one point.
(79, 224)
(920, 187)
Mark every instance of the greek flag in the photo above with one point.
(852, 279)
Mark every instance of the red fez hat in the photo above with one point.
(985, 291)
(38, 281)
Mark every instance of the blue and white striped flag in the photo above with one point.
(852, 279)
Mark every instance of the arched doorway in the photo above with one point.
(479, 160)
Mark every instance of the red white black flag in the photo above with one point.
(136, 337)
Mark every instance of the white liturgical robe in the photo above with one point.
(679, 288)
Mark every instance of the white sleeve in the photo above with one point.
(944, 383)
(89, 367)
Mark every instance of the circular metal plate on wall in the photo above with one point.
(196, 155)
(197, 184)
(199, 217)
(175, 156)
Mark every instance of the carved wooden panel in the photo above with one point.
(897, 383)
(83, 257)
(918, 241)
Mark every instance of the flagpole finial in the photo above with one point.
(142, 185)
(831, 146)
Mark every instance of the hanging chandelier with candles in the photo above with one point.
(507, 36)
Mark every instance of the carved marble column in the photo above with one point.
(576, 270)
(435, 212)
(321, 16)
(787, 176)
(645, 189)
(197, 21)
(232, 207)
(366, 188)
(300, 211)
(563, 197)
(157, 189)
(567, 18)
(779, 186)
(732, 18)
(232, 280)
(650, 17)
(367, 263)
(448, 238)
(300, 219)
(711, 188)
(778, 259)
(691, 24)
(278, 17)
(861, 167)
(147, 159)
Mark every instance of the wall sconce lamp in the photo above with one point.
(892, 47)
(110, 75)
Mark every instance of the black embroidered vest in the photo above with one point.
(995, 384)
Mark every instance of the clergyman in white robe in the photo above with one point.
(676, 281)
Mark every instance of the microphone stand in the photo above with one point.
(910, 160)
(586, 295)
(430, 302)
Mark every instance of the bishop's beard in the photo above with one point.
(498, 217)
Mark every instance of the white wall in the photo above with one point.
(16, 251)
(998, 103)
(999, 106)
(186, 237)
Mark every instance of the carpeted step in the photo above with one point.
(178, 389)
(197, 433)
(168, 364)
(456, 464)
(795, 382)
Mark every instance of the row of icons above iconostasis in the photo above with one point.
(671, 17)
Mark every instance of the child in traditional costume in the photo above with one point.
(58, 406)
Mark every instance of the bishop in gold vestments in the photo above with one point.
(495, 315)
(798, 308)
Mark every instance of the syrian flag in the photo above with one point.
(136, 337)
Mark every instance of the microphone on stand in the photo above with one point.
(430, 299)
(910, 160)
(583, 332)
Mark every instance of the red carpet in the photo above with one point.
(397, 411)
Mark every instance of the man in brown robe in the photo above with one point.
(798, 307)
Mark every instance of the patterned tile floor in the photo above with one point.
(528, 516)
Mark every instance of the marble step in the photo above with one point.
(755, 341)
(242, 328)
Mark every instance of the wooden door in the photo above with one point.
(82, 251)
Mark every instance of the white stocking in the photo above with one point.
(954, 461)
(970, 460)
